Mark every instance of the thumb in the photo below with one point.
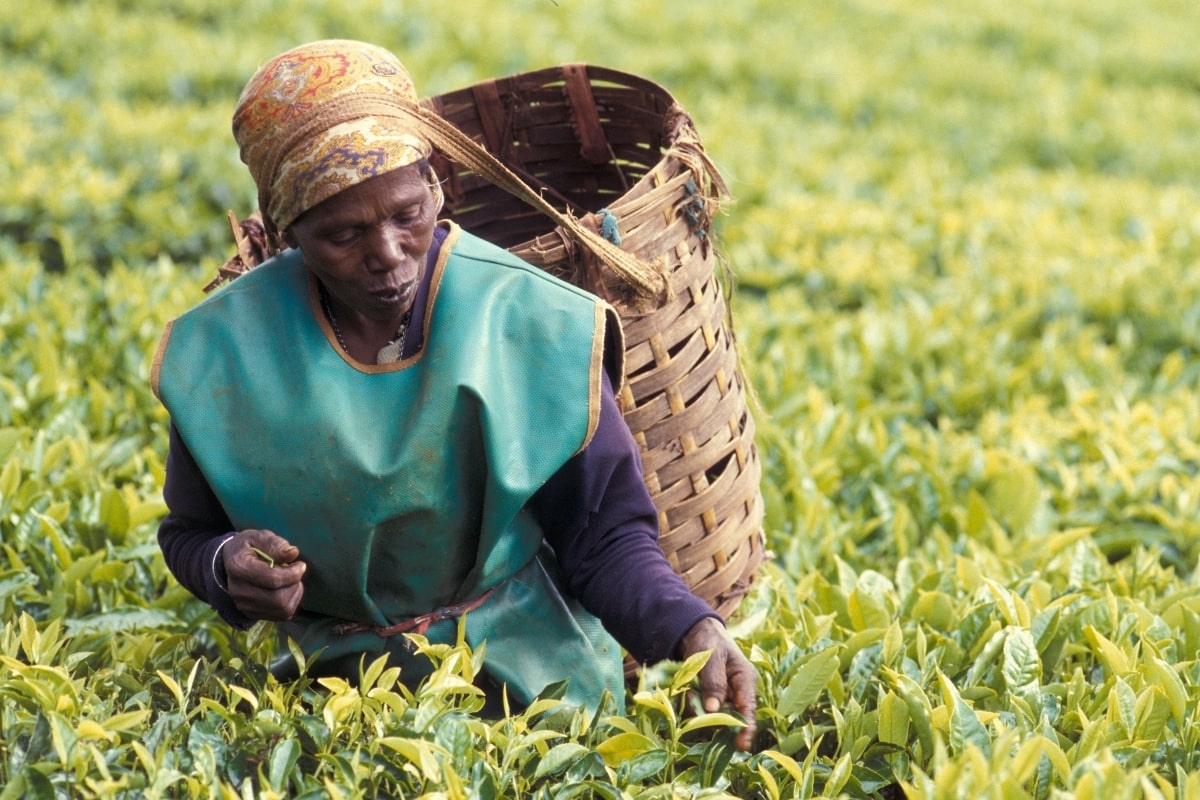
(279, 549)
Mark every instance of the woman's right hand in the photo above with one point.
(263, 573)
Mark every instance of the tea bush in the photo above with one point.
(965, 241)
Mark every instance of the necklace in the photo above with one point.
(395, 346)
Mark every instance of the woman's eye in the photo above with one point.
(342, 237)
(408, 216)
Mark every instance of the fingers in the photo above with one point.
(278, 549)
(277, 605)
(728, 677)
(264, 574)
(742, 683)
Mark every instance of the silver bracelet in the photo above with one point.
(216, 555)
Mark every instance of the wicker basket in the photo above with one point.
(586, 158)
(618, 153)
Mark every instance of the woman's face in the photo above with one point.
(368, 243)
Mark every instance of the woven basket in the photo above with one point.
(580, 151)
(617, 152)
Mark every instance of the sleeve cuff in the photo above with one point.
(216, 585)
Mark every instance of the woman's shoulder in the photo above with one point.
(474, 253)
(267, 277)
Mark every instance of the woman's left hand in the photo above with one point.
(728, 677)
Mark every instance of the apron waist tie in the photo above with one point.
(418, 624)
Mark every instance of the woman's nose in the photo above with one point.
(389, 246)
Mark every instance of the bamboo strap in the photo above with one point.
(647, 280)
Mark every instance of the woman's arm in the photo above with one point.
(599, 518)
(194, 533)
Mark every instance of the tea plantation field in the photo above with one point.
(966, 243)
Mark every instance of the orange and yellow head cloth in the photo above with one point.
(323, 117)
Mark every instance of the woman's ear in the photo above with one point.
(288, 239)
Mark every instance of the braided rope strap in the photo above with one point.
(648, 281)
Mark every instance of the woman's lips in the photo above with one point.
(392, 294)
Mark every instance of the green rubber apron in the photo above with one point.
(403, 485)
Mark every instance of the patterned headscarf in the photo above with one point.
(323, 117)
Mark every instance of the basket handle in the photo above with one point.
(648, 280)
(593, 143)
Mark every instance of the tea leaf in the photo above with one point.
(920, 712)
(422, 754)
(1108, 653)
(893, 720)
(709, 720)
(282, 762)
(965, 727)
(1122, 707)
(1167, 679)
(1152, 713)
(10, 477)
(808, 683)
(1022, 669)
(625, 746)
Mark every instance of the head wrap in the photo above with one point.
(323, 117)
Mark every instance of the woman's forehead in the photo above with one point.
(372, 199)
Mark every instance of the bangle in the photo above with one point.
(217, 555)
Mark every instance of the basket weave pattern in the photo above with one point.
(617, 152)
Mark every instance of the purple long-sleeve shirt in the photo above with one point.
(595, 513)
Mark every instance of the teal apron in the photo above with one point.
(404, 485)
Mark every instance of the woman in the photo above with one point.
(393, 424)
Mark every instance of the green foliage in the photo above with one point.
(965, 240)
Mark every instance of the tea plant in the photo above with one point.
(964, 242)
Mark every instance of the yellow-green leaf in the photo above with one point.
(808, 682)
(1109, 654)
(1172, 687)
(625, 746)
(710, 721)
(893, 720)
